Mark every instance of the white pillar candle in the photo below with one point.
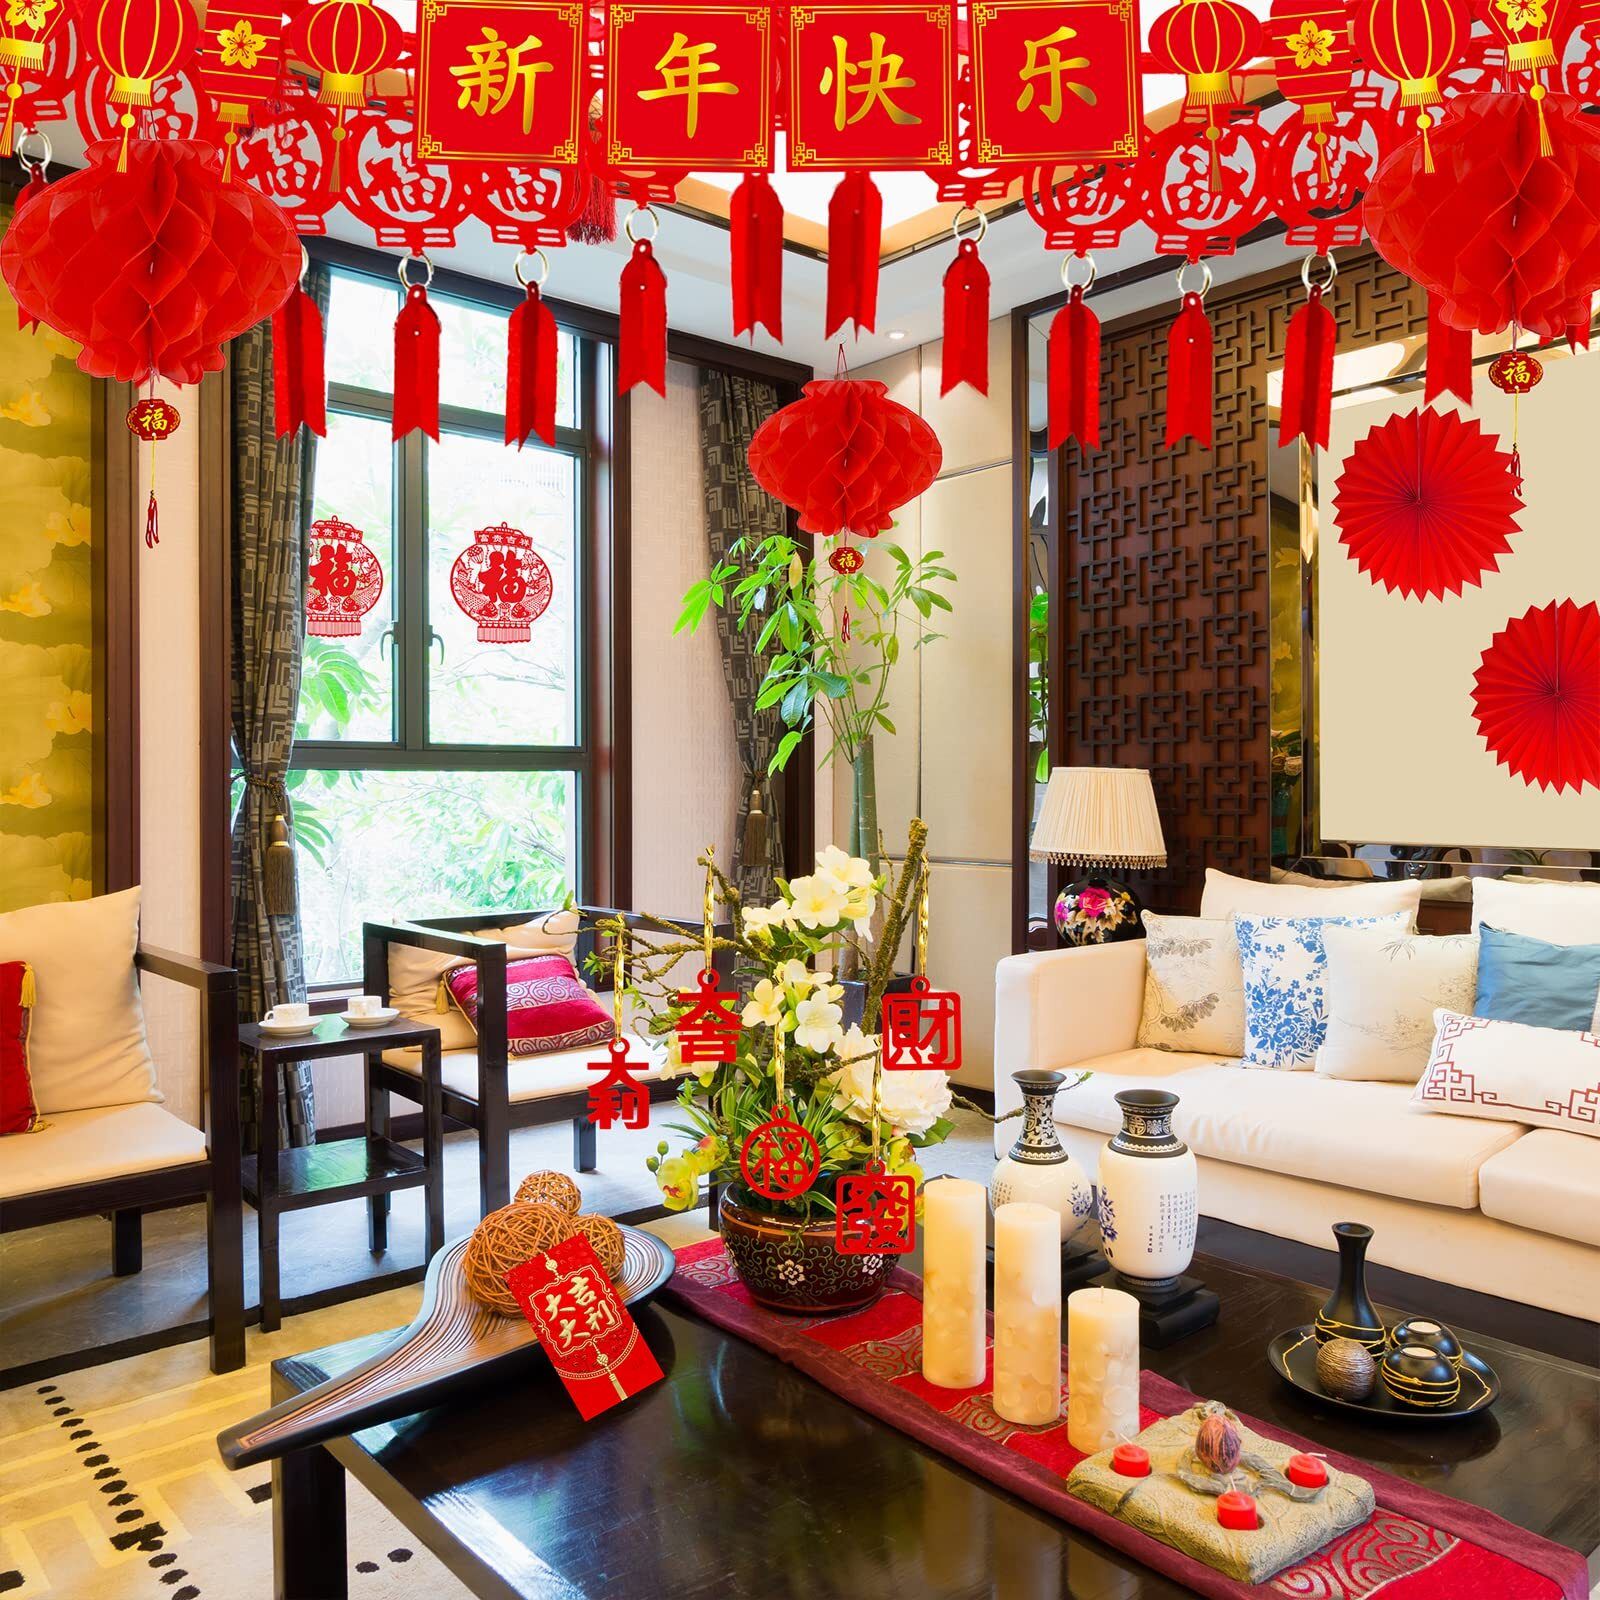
(1102, 1368)
(954, 1218)
(1027, 1313)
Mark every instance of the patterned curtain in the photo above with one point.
(271, 514)
(732, 407)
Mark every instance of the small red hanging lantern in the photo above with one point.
(502, 583)
(344, 580)
(1208, 41)
(152, 421)
(921, 1029)
(346, 41)
(708, 1030)
(137, 42)
(241, 63)
(25, 30)
(877, 1213)
(1314, 61)
(1415, 42)
(780, 1160)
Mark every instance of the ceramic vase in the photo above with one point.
(1037, 1168)
(1148, 1203)
(1348, 1313)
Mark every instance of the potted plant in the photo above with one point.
(794, 1053)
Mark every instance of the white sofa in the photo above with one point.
(1492, 1206)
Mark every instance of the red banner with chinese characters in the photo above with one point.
(499, 80)
(872, 86)
(1055, 80)
(592, 1341)
(689, 86)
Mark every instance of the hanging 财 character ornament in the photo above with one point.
(966, 312)
(779, 1159)
(502, 583)
(1189, 374)
(299, 388)
(642, 321)
(1306, 409)
(921, 1027)
(619, 1096)
(343, 580)
(531, 359)
(1515, 373)
(875, 1212)
(708, 1030)
(1074, 363)
(153, 420)
(416, 355)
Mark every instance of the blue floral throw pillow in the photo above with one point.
(1285, 965)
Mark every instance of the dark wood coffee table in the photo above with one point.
(737, 1477)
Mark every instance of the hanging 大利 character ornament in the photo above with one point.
(502, 583)
(779, 1159)
(153, 421)
(619, 1096)
(343, 581)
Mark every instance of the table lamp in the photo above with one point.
(1099, 817)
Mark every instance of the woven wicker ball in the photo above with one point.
(606, 1237)
(1346, 1370)
(554, 1189)
(505, 1239)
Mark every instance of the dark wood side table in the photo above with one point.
(371, 1167)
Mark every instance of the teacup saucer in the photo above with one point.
(287, 1030)
(376, 1019)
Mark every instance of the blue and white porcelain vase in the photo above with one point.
(1038, 1168)
(1148, 1203)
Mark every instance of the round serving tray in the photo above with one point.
(1294, 1358)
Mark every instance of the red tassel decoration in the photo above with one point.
(855, 227)
(1075, 373)
(298, 391)
(416, 366)
(531, 371)
(966, 321)
(642, 334)
(755, 229)
(1308, 352)
(152, 522)
(1449, 358)
(1189, 375)
(31, 190)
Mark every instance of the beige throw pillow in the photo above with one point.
(1227, 896)
(87, 1045)
(1381, 990)
(1193, 988)
(1558, 913)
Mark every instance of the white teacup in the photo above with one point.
(289, 1014)
(363, 1005)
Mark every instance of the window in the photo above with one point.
(432, 773)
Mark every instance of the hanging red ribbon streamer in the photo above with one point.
(1449, 358)
(298, 391)
(855, 228)
(416, 366)
(1578, 336)
(966, 321)
(31, 190)
(1308, 351)
(531, 371)
(1075, 373)
(755, 228)
(1189, 375)
(642, 335)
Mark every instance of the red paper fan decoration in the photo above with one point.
(846, 457)
(343, 581)
(502, 583)
(1537, 695)
(1425, 503)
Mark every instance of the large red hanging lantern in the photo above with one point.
(137, 42)
(1208, 41)
(845, 456)
(1415, 42)
(1499, 233)
(502, 583)
(343, 580)
(154, 269)
(346, 41)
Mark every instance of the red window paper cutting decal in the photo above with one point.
(343, 581)
(502, 583)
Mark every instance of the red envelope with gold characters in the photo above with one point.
(592, 1341)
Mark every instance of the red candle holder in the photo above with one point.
(1131, 1460)
(1306, 1471)
(1236, 1509)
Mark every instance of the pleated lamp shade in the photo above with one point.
(1099, 817)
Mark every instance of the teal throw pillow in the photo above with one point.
(1544, 985)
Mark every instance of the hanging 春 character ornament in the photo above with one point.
(708, 1029)
(343, 580)
(502, 583)
(153, 420)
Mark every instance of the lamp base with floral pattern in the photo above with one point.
(1098, 910)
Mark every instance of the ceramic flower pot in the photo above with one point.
(793, 1266)
(1149, 1215)
(1037, 1168)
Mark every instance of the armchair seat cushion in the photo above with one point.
(1549, 1180)
(75, 1147)
(533, 1077)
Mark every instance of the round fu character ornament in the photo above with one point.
(502, 583)
(343, 581)
(152, 420)
(779, 1159)
(846, 560)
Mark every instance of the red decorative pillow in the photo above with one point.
(19, 1112)
(548, 1007)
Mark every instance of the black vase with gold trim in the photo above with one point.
(1348, 1313)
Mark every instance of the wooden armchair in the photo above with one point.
(119, 1160)
(486, 1088)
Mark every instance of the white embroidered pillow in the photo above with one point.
(1193, 988)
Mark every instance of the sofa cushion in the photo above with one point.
(86, 1046)
(1356, 1135)
(1193, 985)
(1548, 1181)
(1562, 913)
(76, 1147)
(1531, 980)
(548, 1006)
(1227, 896)
(533, 1077)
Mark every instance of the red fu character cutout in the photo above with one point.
(921, 1028)
(709, 1030)
(619, 1096)
(780, 1160)
(877, 1214)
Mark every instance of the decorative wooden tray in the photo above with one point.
(452, 1344)
(1294, 1358)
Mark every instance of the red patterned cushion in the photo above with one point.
(19, 1112)
(548, 1006)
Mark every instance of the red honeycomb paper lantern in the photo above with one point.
(845, 456)
(1500, 233)
(343, 580)
(152, 270)
(502, 583)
